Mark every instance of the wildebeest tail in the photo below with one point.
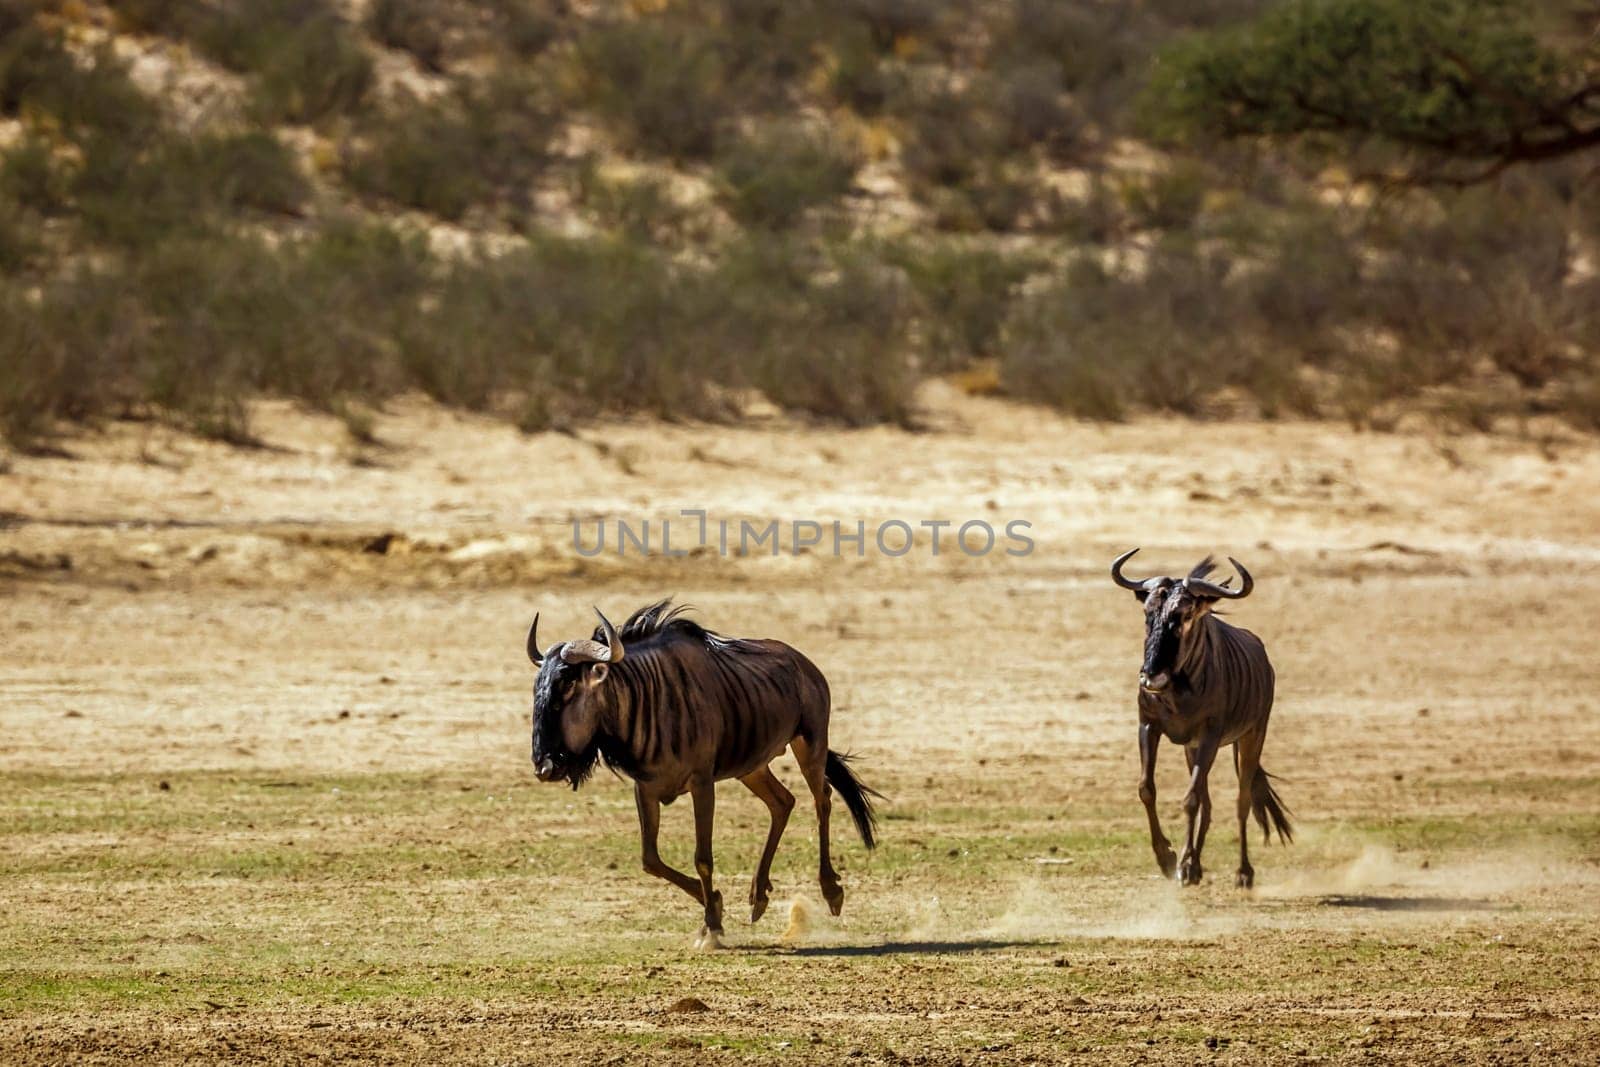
(1267, 805)
(856, 797)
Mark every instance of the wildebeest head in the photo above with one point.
(1172, 607)
(567, 701)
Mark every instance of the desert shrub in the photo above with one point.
(306, 62)
(636, 208)
(171, 18)
(965, 292)
(420, 157)
(64, 353)
(1033, 100)
(30, 375)
(1097, 343)
(1098, 218)
(1580, 399)
(774, 174)
(193, 327)
(414, 26)
(38, 74)
(525, 27)
(20, 240)
(822, 332)
(951, 134)
(662, 84)
(1002, 197)
(31, 177)
(444, 156)
(857, 77)
(892, 21)
(572, 326)
(135, 194)
(314, 75)
(769, 46)
(1167, 199)
(1308, 285)
(1488, 278)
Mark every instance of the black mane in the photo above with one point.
(657, 619)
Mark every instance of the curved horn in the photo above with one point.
(614, 641)
(1127, 583)
(590, 651)
(1205, 588)
(533, 642)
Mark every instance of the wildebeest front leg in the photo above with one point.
(649, 829)
(1149, 738)
(1197, 807)
(704, 792)
(780, 802)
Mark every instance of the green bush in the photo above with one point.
(452, 153)
(826, 333)
(414, 26)
(171, 18)
(31, 177)
(951, 134)
(137, 195)
(773, 175)
(571, 327)
(525, 27)
(663, 85)
(891, 21)
(306, 62)
(20, 241)
(637, 209)
(857, 76)
(38, 74)
(1169, 199)
(966, 292)
(1096, 344)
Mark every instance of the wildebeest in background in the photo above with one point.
(678, 708)
(1204, 684)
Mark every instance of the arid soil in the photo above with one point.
(267, 795)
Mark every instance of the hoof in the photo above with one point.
(758, 908)
(1168, 861)
(1190, 874)
(709, 940)
(1245, 878)
(835, 899)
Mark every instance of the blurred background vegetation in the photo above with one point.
(1372, 210)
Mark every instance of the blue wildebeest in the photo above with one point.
(678, 708)
(1203, 684)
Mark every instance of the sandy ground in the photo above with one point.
(266, 741)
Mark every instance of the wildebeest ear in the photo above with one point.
(1141, 595)
(597, 673)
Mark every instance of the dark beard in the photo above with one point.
(613, 753)
(582, 765)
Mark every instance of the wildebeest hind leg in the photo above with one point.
(1246, 758)
(813, 758)
(649, 829)
(704, 792)
(780, 802)
(1197, 807)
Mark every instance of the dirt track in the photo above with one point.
(350, 856)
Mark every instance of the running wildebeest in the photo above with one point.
(1204, 684)
(677, 709)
